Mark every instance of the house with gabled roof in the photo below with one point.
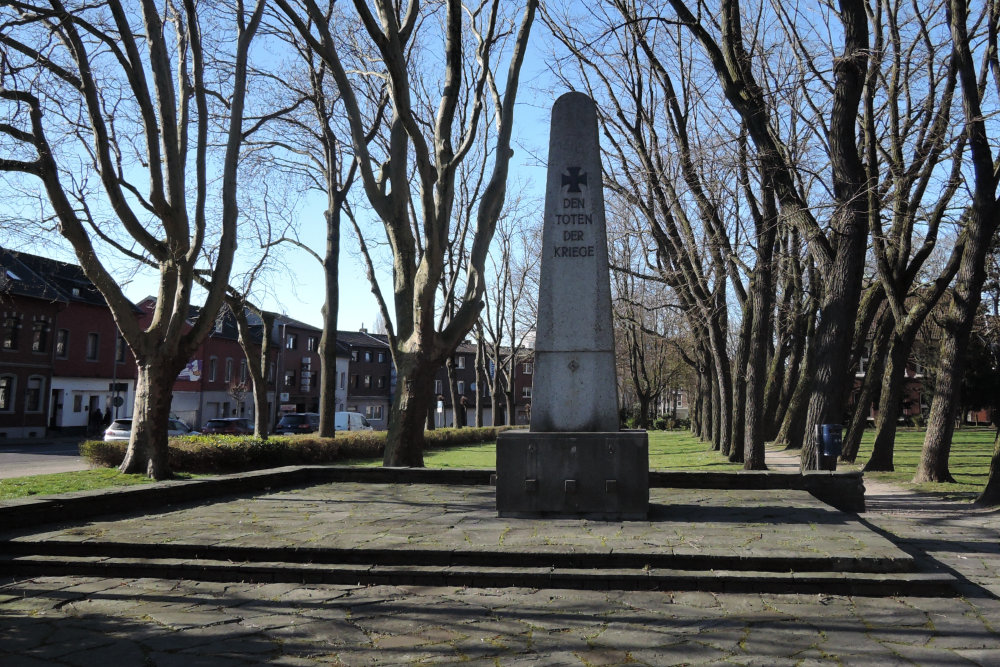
(63, 367)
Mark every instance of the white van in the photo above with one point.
(351, 421)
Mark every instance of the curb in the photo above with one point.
(842, 490)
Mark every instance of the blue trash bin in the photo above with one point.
(830, 441)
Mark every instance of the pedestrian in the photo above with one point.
(106, 422)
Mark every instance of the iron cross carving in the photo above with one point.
(575, 179)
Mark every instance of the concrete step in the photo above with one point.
(912, 584)
(522, 558)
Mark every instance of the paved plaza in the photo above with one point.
(129, 620)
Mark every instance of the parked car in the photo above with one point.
(297, 422)
(351, 421)
(121, 429)
(228, 426)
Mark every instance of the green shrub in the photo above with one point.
(661, 424)
(236, 453)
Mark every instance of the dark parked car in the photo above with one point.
(297, 422)
(228, 426)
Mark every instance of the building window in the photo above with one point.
(6, 393)
(373, 412)
(78, 403)
(461, 387)
(229, 370)
(289, 378)
(33, 394)
(93, 344)
(368, 382)
(529, 368)
(62, 343)
(381, 357)
(120, 349)
(368, 355)
(380, 382)
(291, 341)
(354, 381)
(343, 379)
(270, 372)
(243, 371)
(526, 392)
(11, 332)
(311, 344)
(437, 386)
(306, 381)
(354, 355)
(213, 367)
(40, 336)
(460, 361)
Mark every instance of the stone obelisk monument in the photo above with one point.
(574, 461)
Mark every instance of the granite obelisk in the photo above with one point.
(574, 461)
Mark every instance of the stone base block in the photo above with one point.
(602, 476)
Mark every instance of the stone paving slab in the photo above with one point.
(80, 621)
(682, 522)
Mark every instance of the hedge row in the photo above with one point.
(207, 454)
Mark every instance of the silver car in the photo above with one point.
(121, 429)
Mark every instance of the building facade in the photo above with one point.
(63, 368)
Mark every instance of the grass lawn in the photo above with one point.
(671, 450)
(64, 482)
(971, 451)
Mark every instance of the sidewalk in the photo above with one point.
(956, 535)
(75, 620)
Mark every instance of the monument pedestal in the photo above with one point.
(580, 475)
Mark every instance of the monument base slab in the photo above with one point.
(579, 475)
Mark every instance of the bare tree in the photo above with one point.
(100, 92)
(983, 216)
(416, 213)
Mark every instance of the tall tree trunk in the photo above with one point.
(990, 496)
(983, 217)
(147, 451)
(835, 330)
(413, 402)
(328, 339)
(890, 403)
(258, 364)
(862, 408)
(740, 415)
(761, 297)
(480, 374)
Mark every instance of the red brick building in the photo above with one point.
(61, 360)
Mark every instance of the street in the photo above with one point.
(44, 456)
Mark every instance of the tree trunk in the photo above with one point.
(147, 451)
(862, 408)
(643, 421)
(480, 375)
(258, 367)
(413, 402)
(738, 425)
(890, 403)
(933, 465)
(990, 497)
(761, 299)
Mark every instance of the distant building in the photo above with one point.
(366, 376)
(61, 360)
